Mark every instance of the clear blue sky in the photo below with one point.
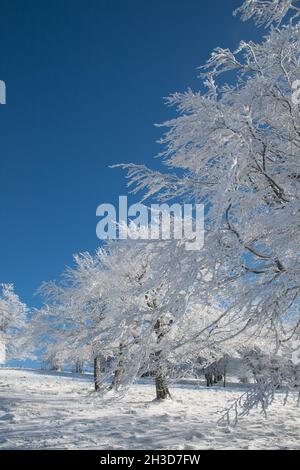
(85, 84)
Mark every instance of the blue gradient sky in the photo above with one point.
(85, 84)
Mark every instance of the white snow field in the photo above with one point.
(44, 410)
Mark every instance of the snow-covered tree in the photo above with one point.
(127, 305)
(236, 149)
(68, 328)
(12, 323)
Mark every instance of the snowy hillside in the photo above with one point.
(43, 410)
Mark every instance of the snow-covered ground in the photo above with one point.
(43, 410)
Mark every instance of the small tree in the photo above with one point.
(12, 323)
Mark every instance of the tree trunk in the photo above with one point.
(162, 391)
(97, 372)
(209, 379)
(120, 369)
(217, 378)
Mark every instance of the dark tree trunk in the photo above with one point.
(217, 378)
(162, 391)
(120, 369)
(78, 367)
(97, 372)
(209, 379)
